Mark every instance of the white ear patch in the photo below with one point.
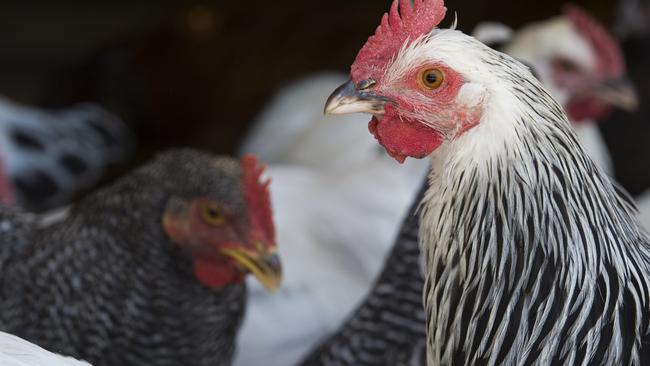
(471, 94)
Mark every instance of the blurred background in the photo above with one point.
(197, 72)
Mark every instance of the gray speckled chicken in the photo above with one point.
(148, 271)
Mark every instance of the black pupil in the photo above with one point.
(213, 213)
(431, 78)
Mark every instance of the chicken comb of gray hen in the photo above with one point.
(52, 155)
(147, 271)
(388, 327)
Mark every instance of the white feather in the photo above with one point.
(16, 351)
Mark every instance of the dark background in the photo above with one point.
(195, 72)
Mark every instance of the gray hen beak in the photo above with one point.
(618, 93)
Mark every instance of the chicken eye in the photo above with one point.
(211, 214)
(432, 78)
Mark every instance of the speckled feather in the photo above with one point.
(106, 285)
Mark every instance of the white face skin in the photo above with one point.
(539, 44)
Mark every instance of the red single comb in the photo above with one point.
(403, 22)
(258, 199)
(610, 56)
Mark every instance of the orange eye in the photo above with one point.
(211, 214)
(431, 78)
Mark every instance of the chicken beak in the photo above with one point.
(618, 93)
(264, 265)
(350, 98)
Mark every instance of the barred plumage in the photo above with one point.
(533, 255)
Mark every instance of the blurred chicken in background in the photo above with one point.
(579, 63)
(49, 156)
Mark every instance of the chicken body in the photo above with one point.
(106, 283)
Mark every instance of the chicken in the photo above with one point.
(49, 156)
(149, 270)
(579, 63)
(533, 256)
(18, 352)
(388, 328)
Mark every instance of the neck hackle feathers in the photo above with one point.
(610, 56)
(258, 199)
(403, 22)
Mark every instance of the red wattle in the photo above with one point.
(215, 272)
(404, 138)
(583, 109)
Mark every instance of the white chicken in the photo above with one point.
(578, 62)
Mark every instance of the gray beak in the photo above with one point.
(350, 98)
(618, 93)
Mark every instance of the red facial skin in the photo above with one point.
(401, 133)
(206, 242)
(190, 230)
(185, 225)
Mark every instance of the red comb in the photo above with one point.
(258, 199)
(610, 56)
(403, 22)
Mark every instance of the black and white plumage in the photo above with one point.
(15, 351)
(533, 256)
(388, 327)
(115, 282)
(51, 155)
